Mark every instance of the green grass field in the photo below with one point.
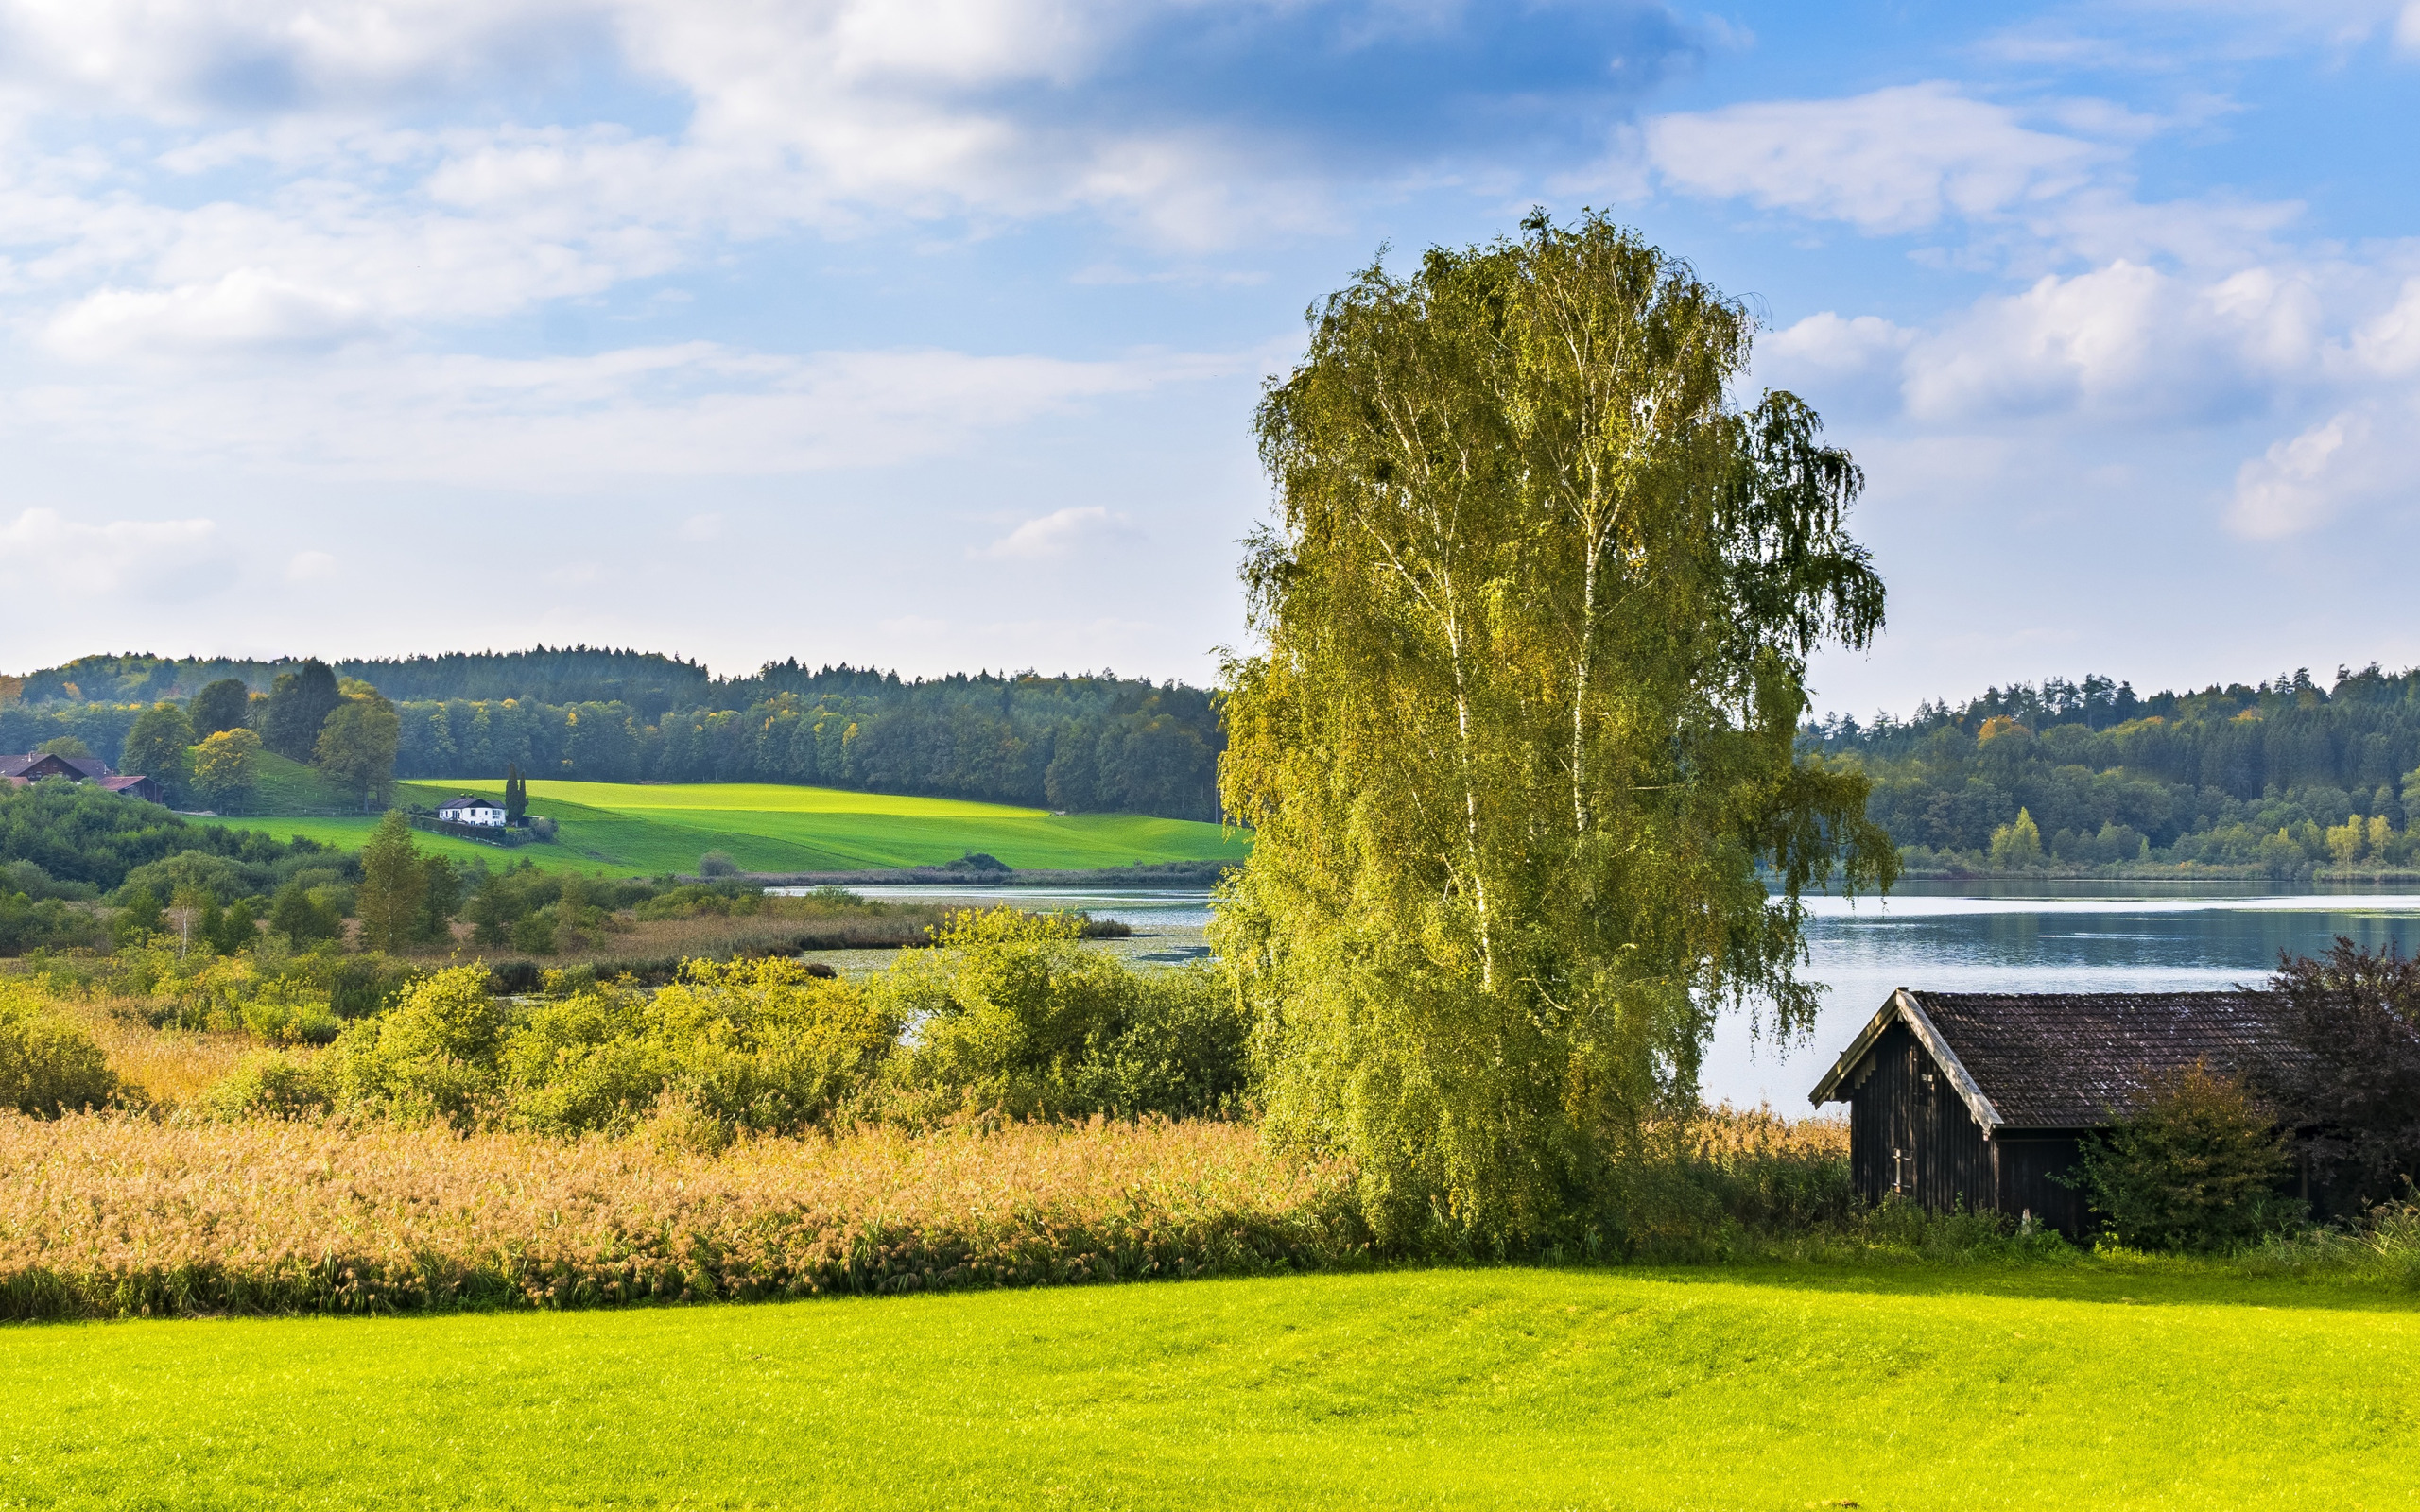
(644, 829)
(1918, 1388)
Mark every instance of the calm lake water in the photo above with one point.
(1948, 936)
(2042, 937)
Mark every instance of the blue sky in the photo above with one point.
(926, 334)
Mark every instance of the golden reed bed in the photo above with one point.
(114, 1216)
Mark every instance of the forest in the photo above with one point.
(1085, 744)
(2281, 778)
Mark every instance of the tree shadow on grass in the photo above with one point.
(2132, 1280)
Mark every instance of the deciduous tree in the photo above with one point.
(223, 705)
(226, 769)
(299, 703)
(392, 885)
(2354, 1015)
(356, 745)
(1519, 748)
(155, 747)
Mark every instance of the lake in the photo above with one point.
(2128, 936)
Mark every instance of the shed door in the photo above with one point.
(1904, 1113)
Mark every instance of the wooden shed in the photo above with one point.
(1983, 1099)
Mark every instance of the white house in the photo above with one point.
(468, 810)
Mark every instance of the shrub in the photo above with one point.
(48, 1065)
(2197, 1168)
(1012, 1016)
(430, 1056)
(272, 1086)
(718, 864)
(766, 1045)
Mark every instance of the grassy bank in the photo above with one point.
(643, 829)
(1504, 1387)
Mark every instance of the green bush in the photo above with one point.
(763, 1045)
(1011, 1016)
(2197, 1168)
(48, 1065)
(430, 1056)
(272, 1086)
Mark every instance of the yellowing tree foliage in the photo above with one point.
(1519, 746)
(226, 769)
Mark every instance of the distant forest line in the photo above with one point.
(2281, 778)
(1085, 744)
(2284, 778)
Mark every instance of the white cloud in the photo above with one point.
(701, 527)
(1894, 160)
(694, 409)
(245, 312)
(310, 567)
(2125, 342)
(1058, 532)
(45, 547)
(2354, 458)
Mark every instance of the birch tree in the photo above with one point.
(1518, 741)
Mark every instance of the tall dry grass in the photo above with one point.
(114, 1216)
(166, 1067)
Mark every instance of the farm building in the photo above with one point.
(487, 813)
(19, 770)
(1984, 1098)
(35, 766)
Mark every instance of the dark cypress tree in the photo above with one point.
(516, 794)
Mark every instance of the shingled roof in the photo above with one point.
(2072, 1060)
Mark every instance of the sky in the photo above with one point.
(927, 334)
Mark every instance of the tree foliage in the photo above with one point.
(1093, 743)
(393, 884)
(299, 703)
(2355, 1017)
(357, 745)
(2196, 1167)
(2281, 776)
(226, 704)
(226, 769)
(156, 748)
(77, 831)
(1536, 619)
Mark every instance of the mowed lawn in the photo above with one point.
(1477, 1388)
(767, 827)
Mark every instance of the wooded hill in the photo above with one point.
(2279, 778)
(1097, 743)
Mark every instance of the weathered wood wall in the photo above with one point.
(1910, 1135)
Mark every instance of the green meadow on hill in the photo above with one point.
(1783, 1388)
(647, 829)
